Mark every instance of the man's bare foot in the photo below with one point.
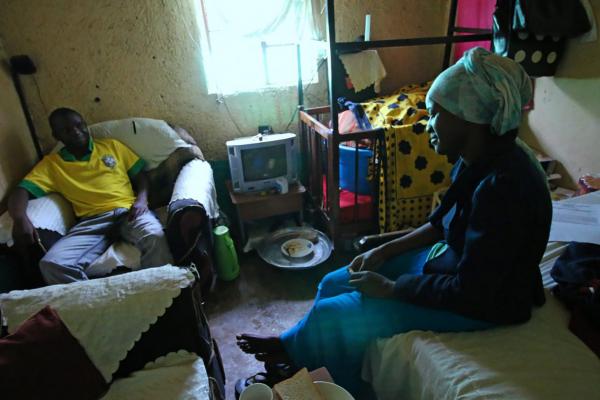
(255, 344)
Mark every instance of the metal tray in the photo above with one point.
(270, 248)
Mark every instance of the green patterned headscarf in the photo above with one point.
(483, 88)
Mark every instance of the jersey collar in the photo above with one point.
(66, 155)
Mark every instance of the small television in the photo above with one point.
(258, 163)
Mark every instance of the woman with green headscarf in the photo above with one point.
(473, 266)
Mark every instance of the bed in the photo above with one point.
(540, 359)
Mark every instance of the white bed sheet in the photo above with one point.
(540, 359)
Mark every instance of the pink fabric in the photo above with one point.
(347, 122)
(473, 14)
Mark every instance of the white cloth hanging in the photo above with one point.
(364, 69)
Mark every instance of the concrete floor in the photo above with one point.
(264, 300)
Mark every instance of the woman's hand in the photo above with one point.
(368, 261)
(372, 284)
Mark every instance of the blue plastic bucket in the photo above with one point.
(347, 162)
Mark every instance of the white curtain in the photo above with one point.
(284, 20)
(237, 29)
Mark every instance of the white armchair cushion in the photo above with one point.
(196, 182)
(180, 375)
(50, 212)
(108, 315)
(151, 139)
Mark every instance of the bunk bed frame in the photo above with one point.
(321, 143)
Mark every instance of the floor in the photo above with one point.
(264, 300)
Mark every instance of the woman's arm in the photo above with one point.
(493, 278)
(371, 260)
(424, 235)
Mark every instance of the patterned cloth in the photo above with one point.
(413, 170)
(483, 88)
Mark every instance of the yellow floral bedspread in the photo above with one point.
(413, 170)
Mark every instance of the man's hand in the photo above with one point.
(138, 208)
(368, 261)
(372, 284)
(24, 233)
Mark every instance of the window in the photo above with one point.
(252, 45)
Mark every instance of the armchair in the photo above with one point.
(145, 332)
(181, 183)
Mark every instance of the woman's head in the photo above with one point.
(483, 93)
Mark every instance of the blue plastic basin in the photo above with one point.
(347, 162)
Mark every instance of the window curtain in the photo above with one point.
(236, 30)
(275, 20)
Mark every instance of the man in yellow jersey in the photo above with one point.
(98, 178)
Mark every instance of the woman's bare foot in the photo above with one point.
(273, 358)
(255, 344)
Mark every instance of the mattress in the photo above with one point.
(540, 359)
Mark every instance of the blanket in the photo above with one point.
(413, 171)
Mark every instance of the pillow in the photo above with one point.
(42, 360)
(151, 139)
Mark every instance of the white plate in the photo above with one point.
(297, 248)
(331, 391)
(270, 248)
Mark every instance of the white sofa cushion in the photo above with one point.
(108, 315)
(52, 212)
(151, 139)
(180, 375)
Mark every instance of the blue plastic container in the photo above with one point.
(347, 161)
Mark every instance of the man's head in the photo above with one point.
(477, 101)
(69, 127)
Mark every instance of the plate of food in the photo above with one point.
(297, 247)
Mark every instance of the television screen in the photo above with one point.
(264, 162)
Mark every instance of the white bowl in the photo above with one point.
(297, 248)
(257, 391)
(331, 391)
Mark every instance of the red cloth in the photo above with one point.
(473, 14)
(347, 201)
(42, 360)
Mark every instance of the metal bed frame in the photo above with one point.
(321, 143)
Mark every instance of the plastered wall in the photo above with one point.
(565, 121)
(17, 153)
(394, 19)
(111, 59)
